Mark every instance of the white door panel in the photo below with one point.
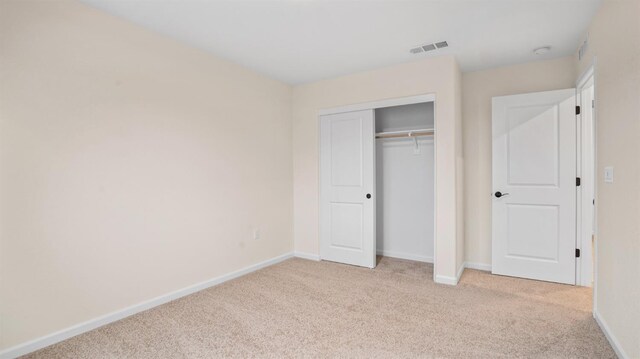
(534, 166)
(347, 175)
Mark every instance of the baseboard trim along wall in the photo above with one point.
(309, 256)
(609, 335)
(409, 256)
(443, 279)
(413, 257)
(91, 324)
(478, 266)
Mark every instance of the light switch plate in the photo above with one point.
(608, 174)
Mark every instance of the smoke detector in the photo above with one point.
(429, 47)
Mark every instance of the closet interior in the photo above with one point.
(405, 168)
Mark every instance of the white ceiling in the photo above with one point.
(299, 41)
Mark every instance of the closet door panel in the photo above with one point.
(346, 152)
(347, 183)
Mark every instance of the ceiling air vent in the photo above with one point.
(429, 47)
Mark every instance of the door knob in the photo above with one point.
(368, 195)
(500, 194)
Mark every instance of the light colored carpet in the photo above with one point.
(302, 308)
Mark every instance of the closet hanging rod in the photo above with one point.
(412, 133)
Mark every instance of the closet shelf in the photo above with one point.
(410, 133)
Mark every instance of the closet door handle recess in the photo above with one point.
(368, 195)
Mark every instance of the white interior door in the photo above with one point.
(347, 184)
(534, 186)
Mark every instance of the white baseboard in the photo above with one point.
(615, 344)
(459, 274)
(45, 341)
(478, 266)
(443, 279)
(309, 256)
(409, 256)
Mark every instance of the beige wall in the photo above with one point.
(439, 76)
(477, 90)
(614, 40)
(131, 166)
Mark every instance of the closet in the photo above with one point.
(405, 181)
(377, 170)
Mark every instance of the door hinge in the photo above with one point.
(577, 181)
(577, 110)
(577, 253)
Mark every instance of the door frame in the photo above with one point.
(590, 74)
(392, 102)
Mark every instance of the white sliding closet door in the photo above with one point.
(347, 184)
